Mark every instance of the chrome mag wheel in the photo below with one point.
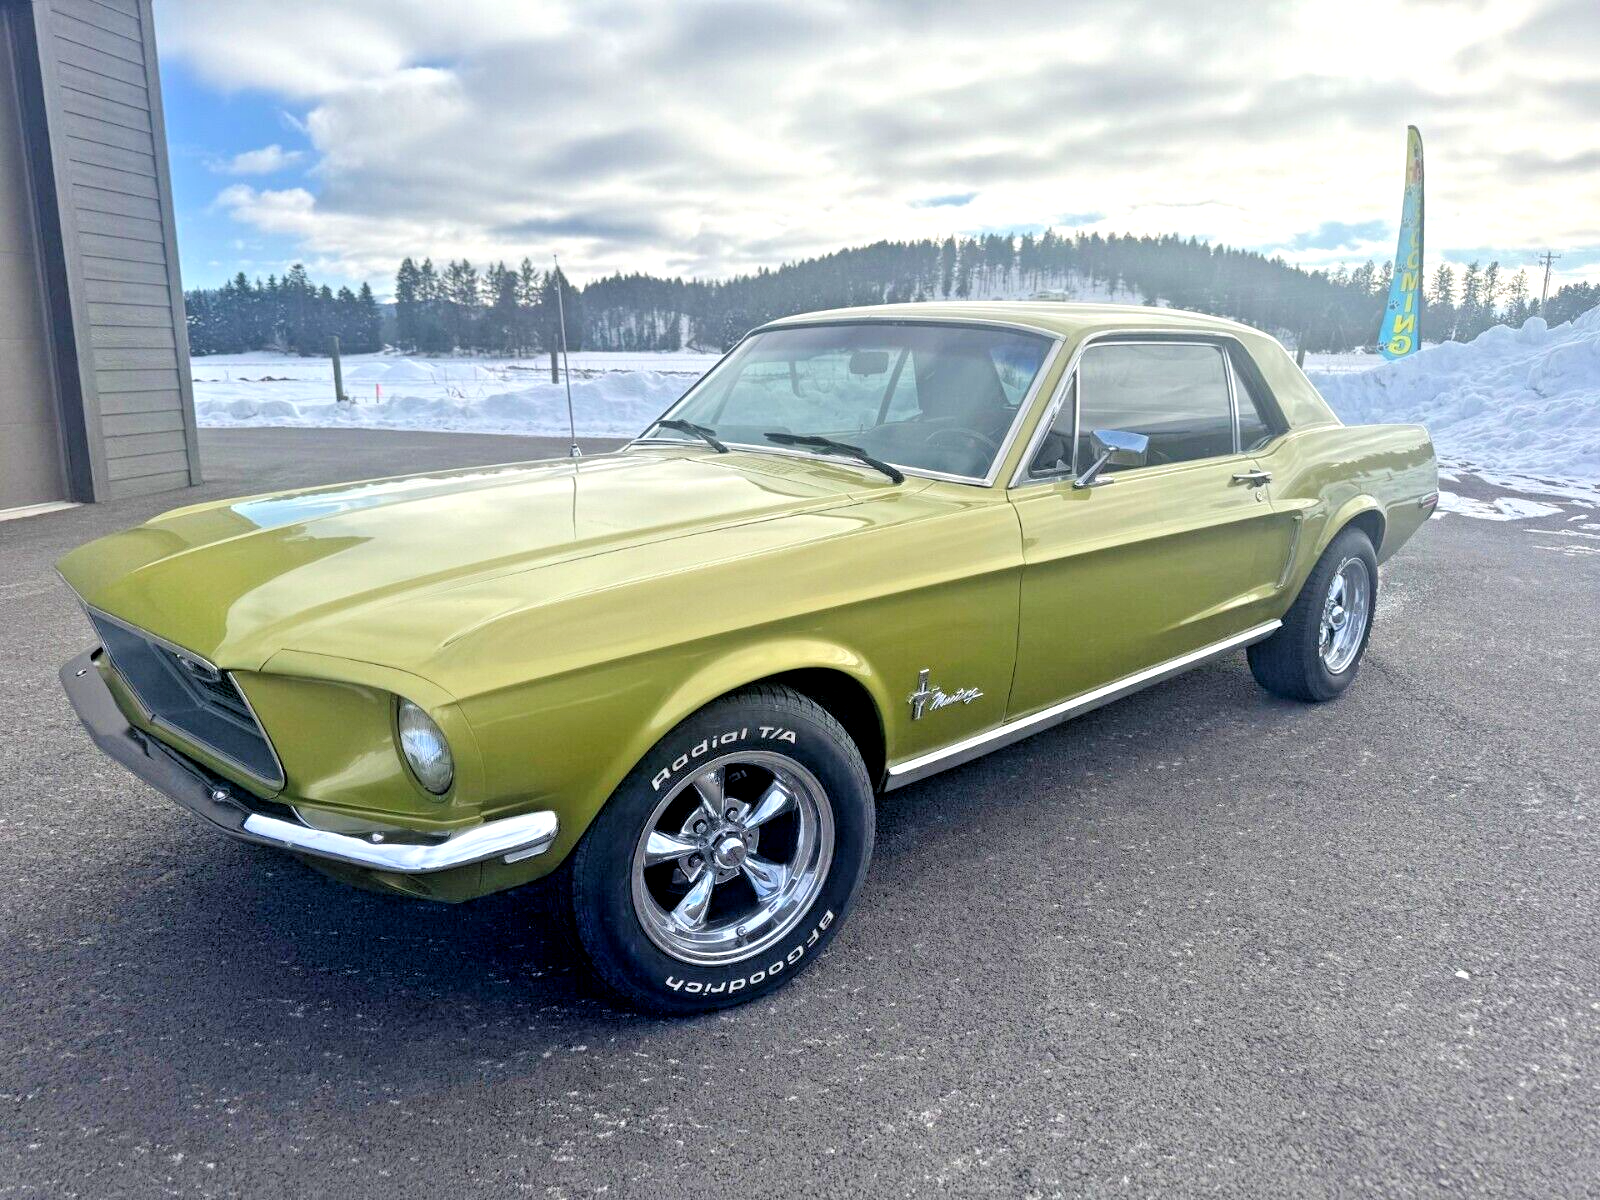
(1345, 612)
(732, 858)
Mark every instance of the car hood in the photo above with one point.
(236, 581)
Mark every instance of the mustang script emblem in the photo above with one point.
(931, 698)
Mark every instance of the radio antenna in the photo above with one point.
(566, 367)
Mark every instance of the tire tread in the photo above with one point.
(1287, 663)
(587, 857)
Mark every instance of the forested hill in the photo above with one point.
(513, 310)
(1318, 310)
(1331, 311)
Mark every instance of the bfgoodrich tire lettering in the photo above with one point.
(728, 858)
(1315, 655)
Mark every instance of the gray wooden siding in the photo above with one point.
(110, 161)
(31, 461)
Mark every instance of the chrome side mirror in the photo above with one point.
(1113, 448)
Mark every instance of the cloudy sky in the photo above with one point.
(704, 137)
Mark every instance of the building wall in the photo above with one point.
(102, 181)
(31, 465)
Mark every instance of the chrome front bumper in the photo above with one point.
(239, 815)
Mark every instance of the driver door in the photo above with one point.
(1154, 561)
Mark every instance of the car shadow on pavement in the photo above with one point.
(1027, 790)
(214, 955)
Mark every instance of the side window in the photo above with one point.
(1176, 395)
(1256, 426)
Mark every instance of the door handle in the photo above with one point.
(1253, 478)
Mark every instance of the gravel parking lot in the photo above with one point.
(1200, 942)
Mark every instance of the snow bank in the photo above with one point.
(1523, 401)
(618, 404)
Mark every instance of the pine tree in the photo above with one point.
(407, 304)
(1439, 313)
(1471, 311)
(1492, 288)
(344, 320)
(432, 337)
(1443, 290)
(1518, 306)
(460, 304)
(1571, 302)
(504, 317)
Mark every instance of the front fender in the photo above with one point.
(567, 743)
(751, 663)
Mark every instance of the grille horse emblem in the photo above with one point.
(199, 670)
(930, 697)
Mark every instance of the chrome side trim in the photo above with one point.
(511, 838)
(1233, 397)
(1294, 548)
(988, 480)
(1014, 731)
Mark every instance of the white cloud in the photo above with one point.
(710, 136)
(268, 160)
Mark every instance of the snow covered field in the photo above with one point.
(1511, 407)
(613, 395)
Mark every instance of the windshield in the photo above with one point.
(923, 396)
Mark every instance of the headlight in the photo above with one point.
(425, 750)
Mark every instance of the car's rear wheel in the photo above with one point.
(1315, 655)
(728, 858)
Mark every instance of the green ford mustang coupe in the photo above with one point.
(868, 545)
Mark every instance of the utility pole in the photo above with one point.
(1544, 293)
(566, 368)
(338, 375)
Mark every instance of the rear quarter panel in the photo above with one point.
(1329, 474)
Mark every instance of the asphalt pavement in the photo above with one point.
(1202, 942)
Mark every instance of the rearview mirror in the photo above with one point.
(869, 362)
(1113, 448)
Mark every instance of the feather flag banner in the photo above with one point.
(1400, 335)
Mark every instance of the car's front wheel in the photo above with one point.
(1316, 653)
(728, 858)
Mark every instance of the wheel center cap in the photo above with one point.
(729, 852)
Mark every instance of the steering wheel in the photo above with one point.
(972, 435)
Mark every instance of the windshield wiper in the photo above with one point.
(830, 446)
(708, 436)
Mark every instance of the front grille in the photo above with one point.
(220, 691)
(190, 697)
